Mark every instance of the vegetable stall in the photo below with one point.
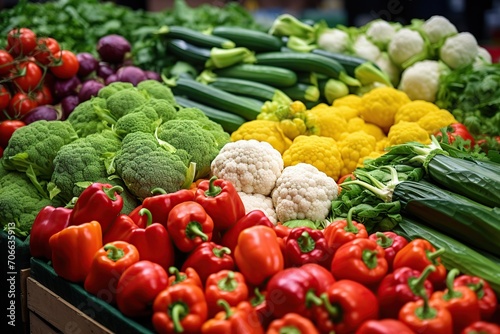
(192, 171)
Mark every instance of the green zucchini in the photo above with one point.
(465, 220)
(216, 98)
(190, 53)
(303, 92)
(244, 87)
(229, 122)
(271, 75)
(456, 255)
(301, 61)
(255, 40)
(195, 37)
(348, 62)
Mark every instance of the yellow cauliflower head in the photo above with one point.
(435, 120)
(404, 132)
(413, 111)
(381, 104)
(353, 101)
(359, 124)
(263, 130)
(353, 148)
(326, 123)
(321, 152)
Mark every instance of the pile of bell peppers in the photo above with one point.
(194, 261)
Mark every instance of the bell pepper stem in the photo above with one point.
(432, 256)
(332, 310)
(177, 312)
(450, 291)
(370, 258)
(426, 311)
(383, 240)
(349, 224)
(228, 283)
(221, 251)
(148, 214)
(306, 242)
(158, 191)
(258, 299)
(478, 288)
(114, 253)
(110, 192)
(213, 190)
(194, 229)
(312, 299)
(227, 308)
(416, 284)
(178, 277)
(289, 330)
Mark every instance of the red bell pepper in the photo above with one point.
(100, 202)
(73, 250)
(240, 319)
(360, 260)
(189, 225)
(401, 286)
(48, 222)
(209, 258)
(418, 254)
(120, 230)
(179, 309)
(188, 276)
(487, 299)
(292, 290)
(342, 231)
(221, 201)
(481, 327)
(305, 245)
(384, 326)
(453, 131)
(153, 242)
(160, 204)
(227, 285)
(426, 317)
(252, 218)
(345, 306)
(460, 301)
(258, 255)
(391, 243)
(292, 323)
(323, 276)
(259, 303)
(138, 287)
(108, 265)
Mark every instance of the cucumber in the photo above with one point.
(229, 122)
(349, 63)
(255, 40)
(301, 61)
(196, 37)
(303, 92)
(271, 75)
(216, 98)
(244, 87)
(190, 53)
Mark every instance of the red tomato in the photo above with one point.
(21, 104)
(66, 66)
(7, 128)
(46, 50)
(6, 62)
(27, 76)
(43, 96)
(21, 41)
(4, 97)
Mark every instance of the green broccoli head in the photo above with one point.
(136, 121)
(35, 146)
(143, 164)
(3, 170)
(165, 109)
(20, 202)
(188, 135)
(125, 101)
(191, 114)
(221, 137)
(90, 117)
(157, 90)
(104, 142)
(112, 88)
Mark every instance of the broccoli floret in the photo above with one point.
(191, 114)
(3, 170)
(157, 90)
(164, 109)
(112, 88)
(221, 137)
(104, 142)
(20, 202)
(143, 164)
(125, 101)
(188, 135)
(90, 117)
(35, 146)
(134, 122)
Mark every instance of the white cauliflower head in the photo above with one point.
(421, 80)
(365, 49)
(459, 50)
(334, 40)
(380, 32)
(252, 166)
(259, 202)
(303, 192)
(438, 27)
(407, 47)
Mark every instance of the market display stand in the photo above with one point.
(56, 305)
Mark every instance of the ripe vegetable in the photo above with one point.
(45, 112)
(459, 50)
(27, 76)
(89, 89)
(21, 41)
(88, 64)
(407, 47)
(7, 128)
(113, 48)
(66, 65)
(421, 80)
